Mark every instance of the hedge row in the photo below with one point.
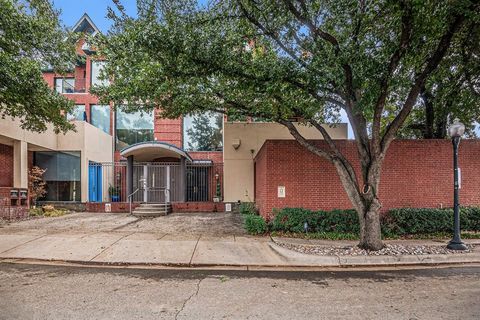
(421, 221)
(395, 222)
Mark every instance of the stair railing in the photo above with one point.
(130, 197)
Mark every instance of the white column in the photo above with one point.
(145, 189)
(20, 164)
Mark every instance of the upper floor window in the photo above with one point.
(100, 117)
(133, 128)
(78, 113)
(97, 67)
(203, 132)
(65, 85)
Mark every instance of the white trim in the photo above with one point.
(153, 145)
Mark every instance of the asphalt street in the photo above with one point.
(66, 292)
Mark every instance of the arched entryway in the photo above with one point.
(156, 172)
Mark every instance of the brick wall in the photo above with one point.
(116, 206)
(198, 207)
(416, 173)
(6, 166)
(215, 156)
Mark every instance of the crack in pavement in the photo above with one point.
(108, 247)
(189, 298)
(23, 243)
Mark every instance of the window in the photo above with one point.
(65, 85)
(62, 175)
(78, 113)
(203, 132)
(133, 128)
(100, 117)
(97, 67)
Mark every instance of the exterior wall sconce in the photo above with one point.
(236, 143)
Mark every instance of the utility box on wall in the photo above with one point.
(281, 191)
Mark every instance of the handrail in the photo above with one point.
(165, 191)
(129, 197)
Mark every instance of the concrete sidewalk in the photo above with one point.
(163, 249)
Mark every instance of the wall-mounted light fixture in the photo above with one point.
(236, 143)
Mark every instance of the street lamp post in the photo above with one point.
(455, 131)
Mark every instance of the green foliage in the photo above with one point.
(55, 213)
(255, 224)
(294, 219)
(395, 223)
(35, 212)
(317, 235)
(247, 208)
(47, 211)
(230, 56)
(31, 39)
(424, 221)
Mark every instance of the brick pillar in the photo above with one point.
(20, 164)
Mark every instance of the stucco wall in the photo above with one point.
(92, 143)
(239, 163)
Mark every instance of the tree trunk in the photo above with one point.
(366, 204)
(370, 230)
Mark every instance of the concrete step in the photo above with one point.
(152, 205)
(152, 210)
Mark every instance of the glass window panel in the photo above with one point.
(62, 175)
(133, 128)
(203, 132)
(97, 67)
(65, 85)
(100, 117)
(77, 113)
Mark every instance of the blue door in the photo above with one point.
(94, 182)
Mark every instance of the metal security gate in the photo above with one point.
(156, 182)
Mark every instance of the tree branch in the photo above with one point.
(431, 63)
(405, 37)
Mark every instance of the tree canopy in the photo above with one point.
(293, 61)
(31, 40)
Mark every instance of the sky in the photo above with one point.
(72, 10)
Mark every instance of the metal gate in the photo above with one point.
(156, 182)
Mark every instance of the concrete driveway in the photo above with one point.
(206, 224)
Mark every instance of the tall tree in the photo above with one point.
(291, 60)
(453, 90)
(32, 39)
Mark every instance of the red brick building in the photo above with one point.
(416, 173)
(114, 154)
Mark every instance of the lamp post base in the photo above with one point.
(454, 245)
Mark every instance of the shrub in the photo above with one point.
(424, 221)
(255, 224)
(472, 218)
(247, 208)
(35, 212)
(55, 213)
(294, 219)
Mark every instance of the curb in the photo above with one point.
(432, 260)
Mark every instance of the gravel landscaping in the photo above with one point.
(388, 250)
